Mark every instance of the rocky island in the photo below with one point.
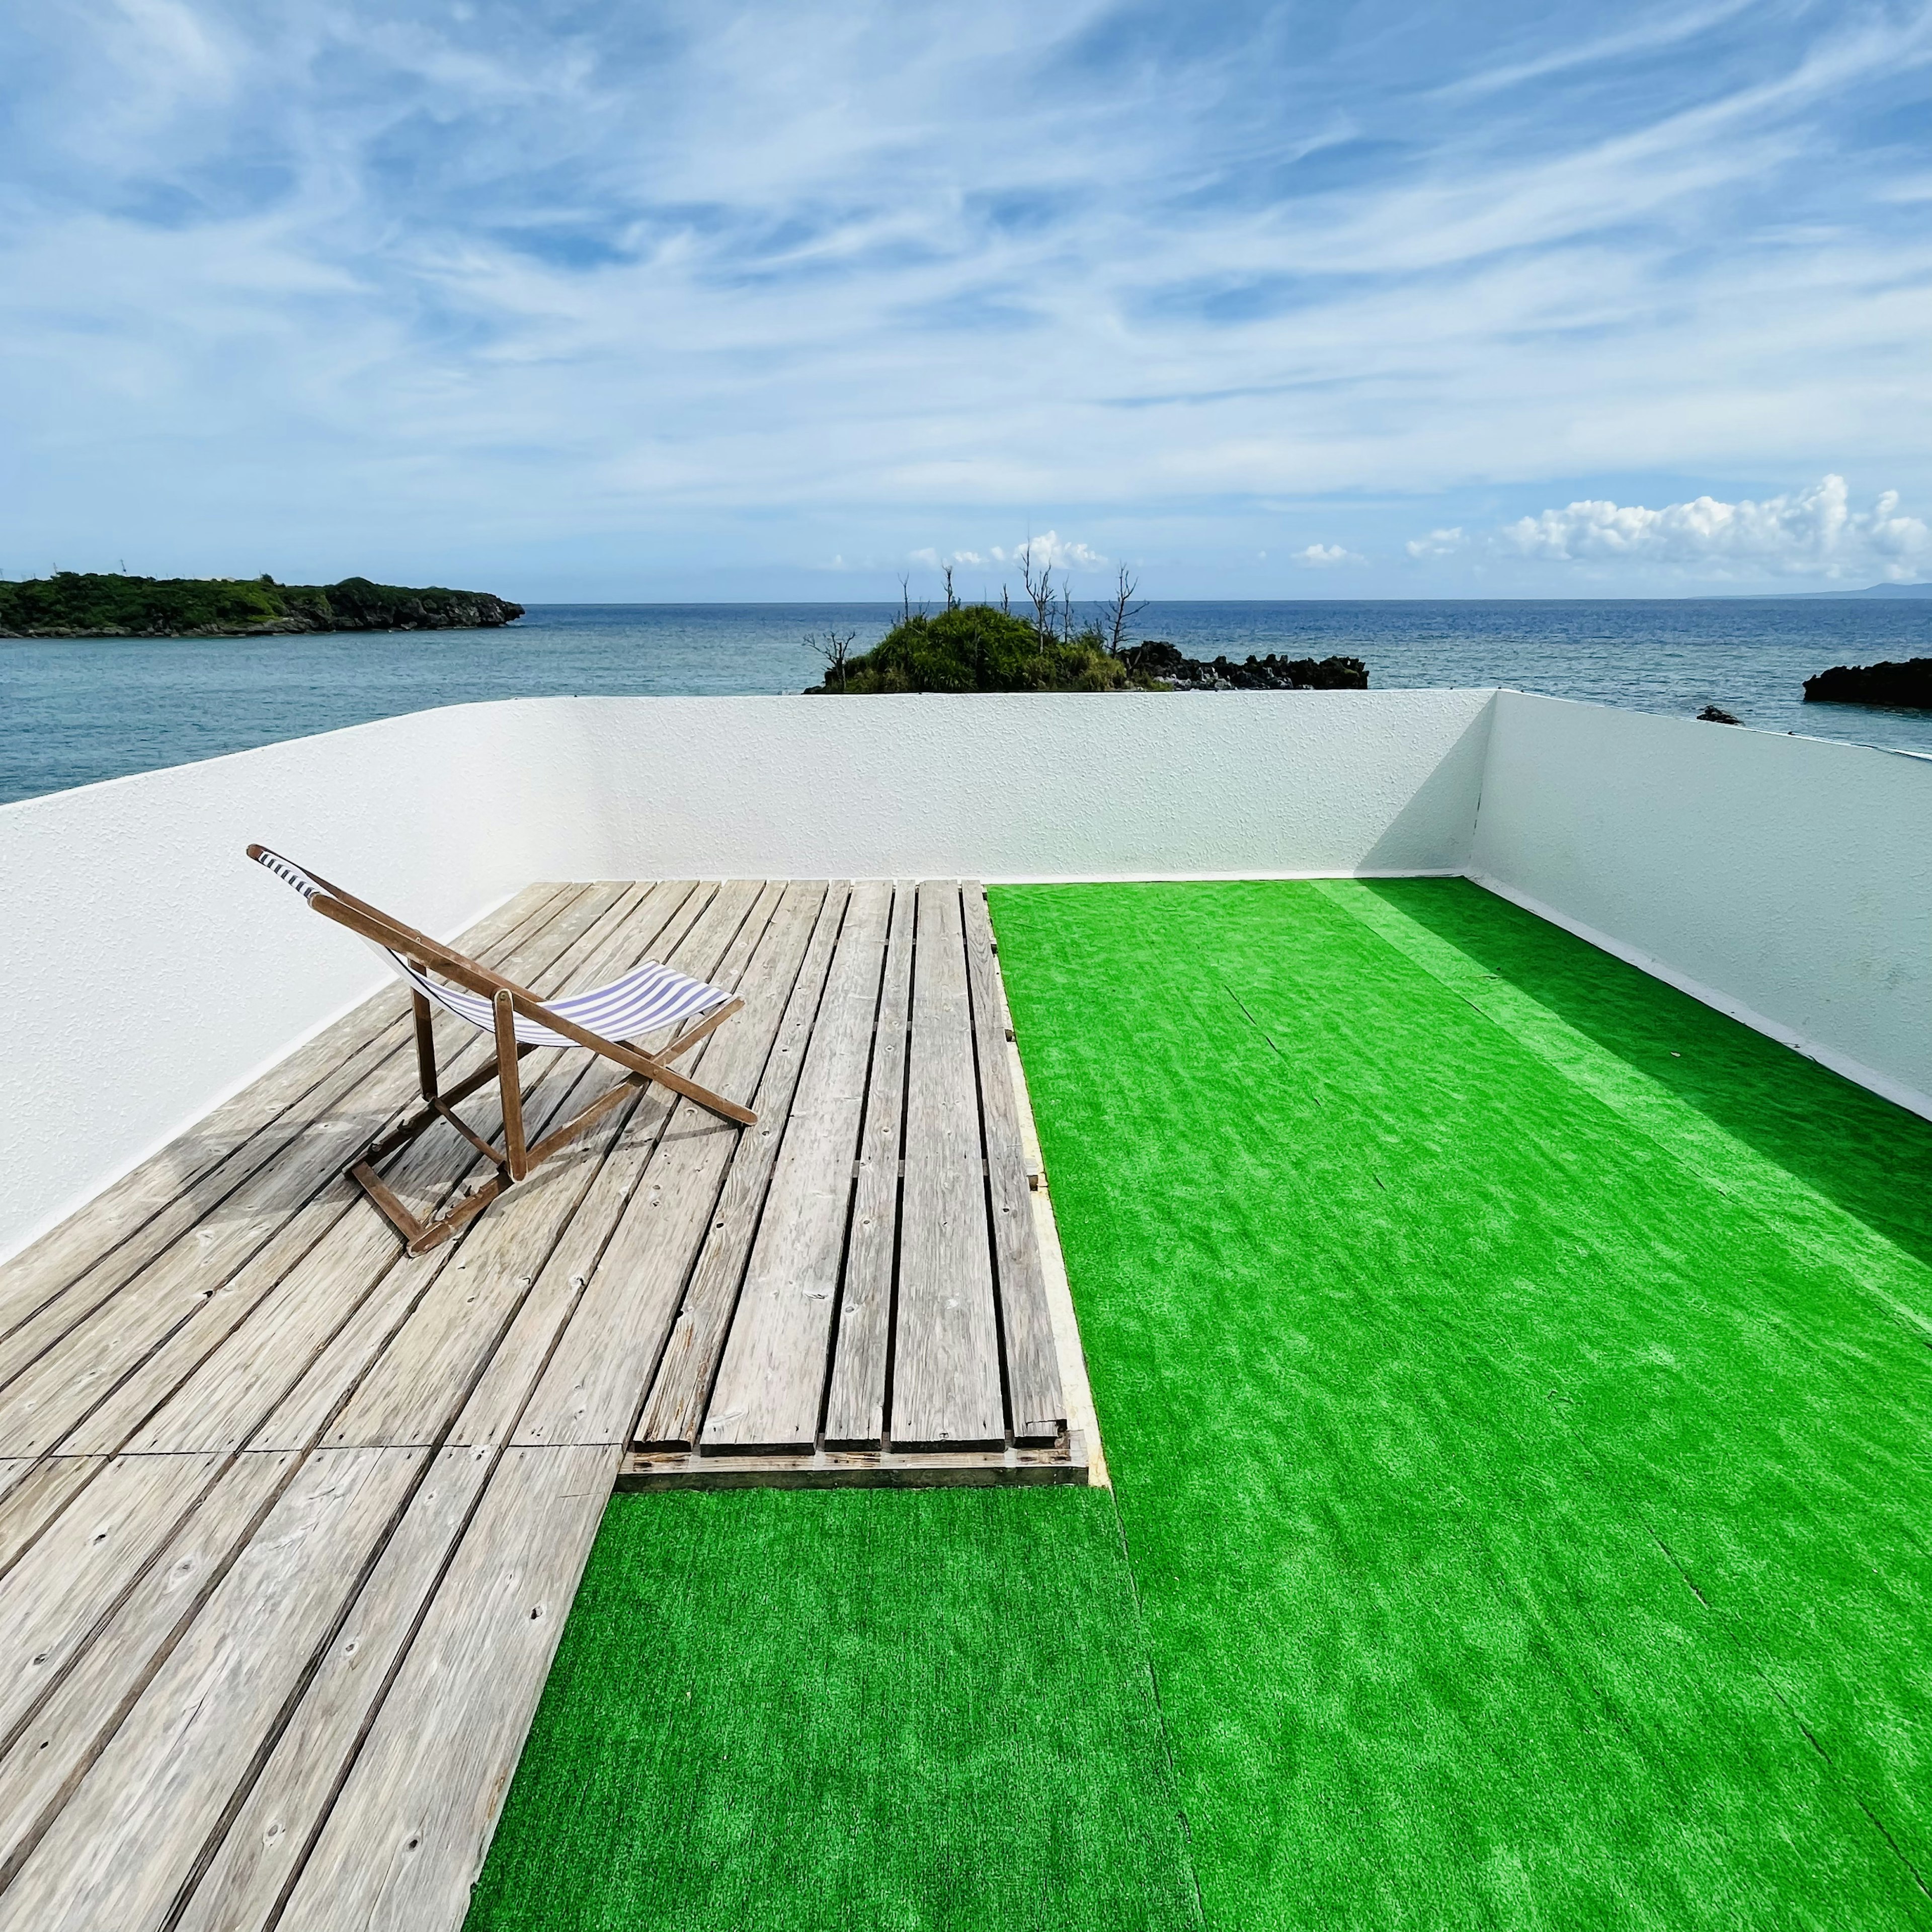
(1898, 687)
(977, 647)
(76, 603)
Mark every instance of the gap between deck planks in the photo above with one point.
(278, 1503)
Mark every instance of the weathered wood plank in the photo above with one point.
(45, 1762)
(625, 1328)
(235, 1137)
(428, 1371)
(771, 1381)
(401, 1850)
(302, 1350)
(121, 1849)
(33, 1492)
(260, 1853)
(857, 1469)
(108, 1323)
(82, 1565)
(592, 1388)
(945, 1362)
(674, 1410)
(1026, 1323)
(855, 1405)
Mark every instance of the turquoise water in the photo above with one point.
(75, 711)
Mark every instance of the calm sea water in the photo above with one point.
(74, 711)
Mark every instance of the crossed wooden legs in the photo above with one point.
(516, 1158)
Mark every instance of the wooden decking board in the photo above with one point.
(771, 1379)
(429, 1366)
(259, 1856)
(674, 1412)
(124, 1842)
(946, 1367)
(1039, 1409)
(855, 1405)
(627, 1253)
(641, 1289)
(124, 1209)
(400, 1849)
(82, 1566)
(49, 1396)
(285, 1500)
(173, 1191)
(289, 1365)
(855, 1469)
(221, 1312)
(44, 1766)
(34, 1490)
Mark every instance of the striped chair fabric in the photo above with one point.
(650, 997)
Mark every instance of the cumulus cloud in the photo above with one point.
(1437, 543)
(1810, 532)
(1049, 550)
(1323, 557)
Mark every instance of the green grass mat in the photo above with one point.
(799, 1711)
(1516, 1379)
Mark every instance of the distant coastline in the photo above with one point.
(76, 603)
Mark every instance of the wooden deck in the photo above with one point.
(289, 1521)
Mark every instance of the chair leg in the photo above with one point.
(511, 1083)
(425, 1046)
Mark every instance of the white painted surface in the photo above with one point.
(1787, 881)
(150, 970)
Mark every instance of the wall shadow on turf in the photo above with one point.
(1866, 1155)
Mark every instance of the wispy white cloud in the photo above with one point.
(770, 282)
(1437, 543)
(1325, 557)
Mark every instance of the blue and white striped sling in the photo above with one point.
(650, 996)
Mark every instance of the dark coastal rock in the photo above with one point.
(1902, 687)
(75, 604)
(1156, 658)
(1715, 714)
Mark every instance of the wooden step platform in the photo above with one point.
(289, 1521)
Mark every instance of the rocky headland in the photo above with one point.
(1900, 687)
(76, 603)
(1158, 659)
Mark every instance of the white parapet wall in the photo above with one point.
(150, 970)
(1785, 880)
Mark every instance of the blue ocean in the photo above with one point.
(73, 712)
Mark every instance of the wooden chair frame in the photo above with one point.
(516, 1158)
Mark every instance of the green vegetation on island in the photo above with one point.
(980, 647)
(976, 647)
(76, 603)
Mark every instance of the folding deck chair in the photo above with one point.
(650, 997)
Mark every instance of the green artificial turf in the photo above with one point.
(819, 1711)
(1516, 1380)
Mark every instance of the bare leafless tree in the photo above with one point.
(833, 647)
(1122, 611)
(905, 598)
(1039, 590)
(952, 602)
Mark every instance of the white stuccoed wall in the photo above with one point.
(149, 969)
(1787, 881)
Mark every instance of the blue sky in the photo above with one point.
(594, 300)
